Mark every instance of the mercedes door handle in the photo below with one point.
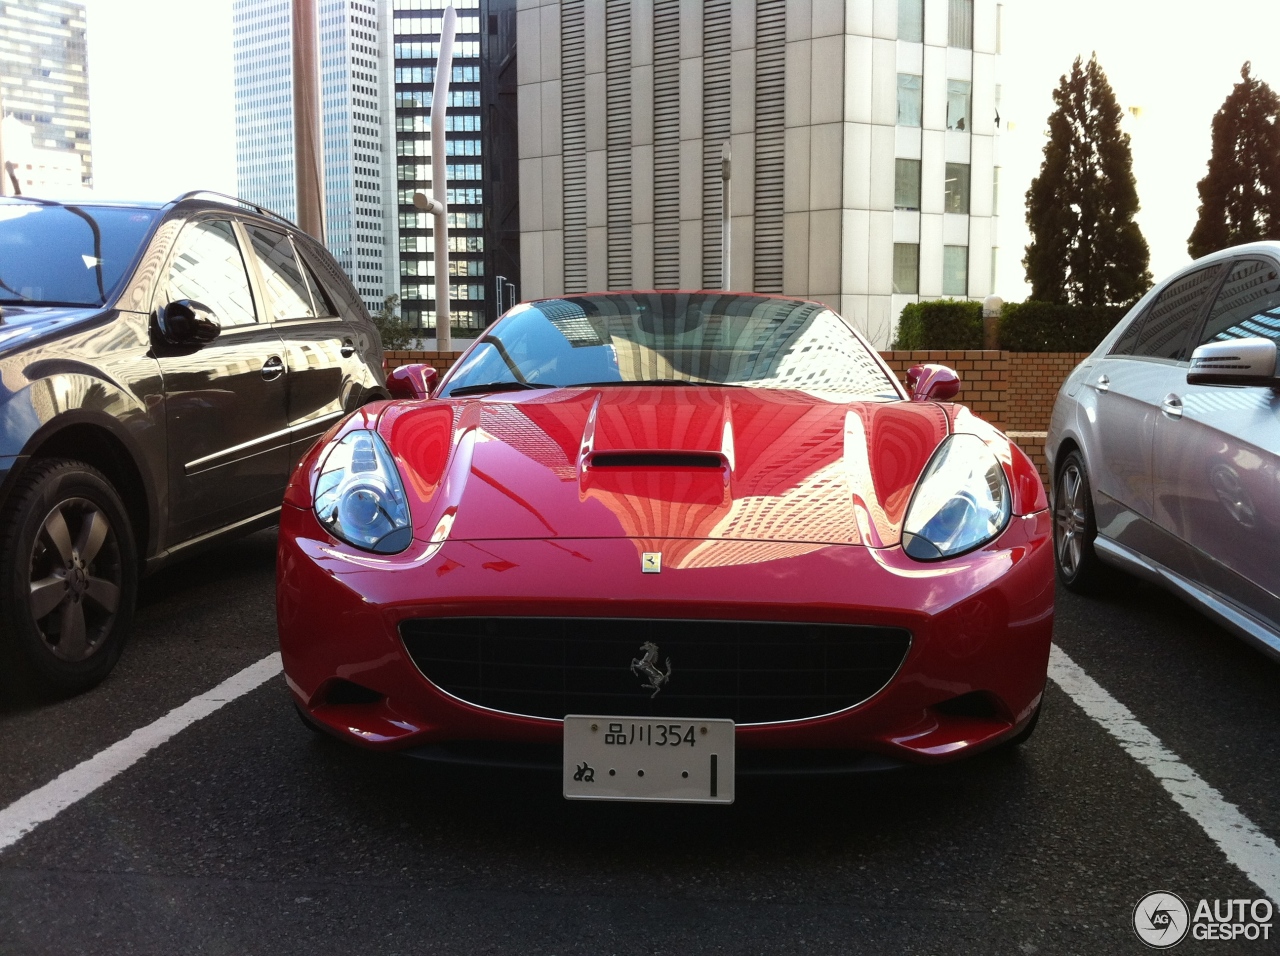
(1104, 383)
(273, 368)
(1171, 406)
(348, 348)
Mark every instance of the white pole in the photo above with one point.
(439, 184)
(725, 163)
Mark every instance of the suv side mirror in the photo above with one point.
(932, 383)
(412, 381)
(1234, 362)
(187, 322)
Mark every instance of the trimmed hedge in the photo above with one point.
(1023, 326)
(940, 324)
(1049, 327)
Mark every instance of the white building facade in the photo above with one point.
(863, 137)
(356, 80)
(44, 84)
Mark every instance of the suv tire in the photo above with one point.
(68, 577)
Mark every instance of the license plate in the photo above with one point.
(640, 758)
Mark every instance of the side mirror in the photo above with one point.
(1234, 362)
(412, 381)
(187, 322)
(932, 383)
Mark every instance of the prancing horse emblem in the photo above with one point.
(647, 666)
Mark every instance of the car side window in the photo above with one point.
(1170, 318)
(208, 268)
(1248, 305)
(1129, 338)
(322, 303)
(287, 294)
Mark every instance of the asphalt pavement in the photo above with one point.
(245, 833)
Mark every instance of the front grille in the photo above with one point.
(747, 671)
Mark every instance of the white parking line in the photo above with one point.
(26, 813)
(1245, 845)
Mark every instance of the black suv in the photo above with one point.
(162, 369)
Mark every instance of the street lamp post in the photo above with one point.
(436, 203)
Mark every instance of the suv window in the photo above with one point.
(208, 268)
(1168, 320)
(287, 294)
(1248, 304)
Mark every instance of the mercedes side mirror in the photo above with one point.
(1234, 362)
(187, 322)
(932, 383)
(412, 381)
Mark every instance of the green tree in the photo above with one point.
(1240, 195)
(395, 335)
(1085, 247)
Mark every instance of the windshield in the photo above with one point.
(56, 254)
(673, 338)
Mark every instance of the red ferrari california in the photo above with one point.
(665, 540)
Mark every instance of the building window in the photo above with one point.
(909, 99)
(906, 185)
(995, 191)
(906, 268)
(958, 92)
(956, 193)
(911, 20)
(955, 270)
(960, 24)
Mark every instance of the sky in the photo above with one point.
(163, 114)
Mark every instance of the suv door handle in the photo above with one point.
(348, 348)
(1103, 383)
(1172, 406)
(273, 368)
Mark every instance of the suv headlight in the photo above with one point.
(960, 503)
(359, 497)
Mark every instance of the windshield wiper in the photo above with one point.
(40, 303)
(495, 387)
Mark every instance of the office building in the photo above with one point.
(44, 84)
(355, 88)
(862, 135)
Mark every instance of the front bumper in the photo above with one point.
(981, 627)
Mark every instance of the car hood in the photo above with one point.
(754, 468)
(21, 323)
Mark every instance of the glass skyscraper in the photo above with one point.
(417, 25)
(44, 79)
(354, 104)
(378, 65)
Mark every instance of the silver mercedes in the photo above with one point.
(1164, 445)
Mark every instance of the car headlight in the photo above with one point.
(359, 497)
(960, 503)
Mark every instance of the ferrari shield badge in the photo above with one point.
(651, 562)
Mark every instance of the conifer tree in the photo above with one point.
(1085, 247)
(1240, 195)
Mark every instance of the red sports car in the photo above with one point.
(664, 540)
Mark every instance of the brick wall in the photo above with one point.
(1014, 391)
(437, 360)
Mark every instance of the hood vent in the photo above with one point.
(657, 459)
